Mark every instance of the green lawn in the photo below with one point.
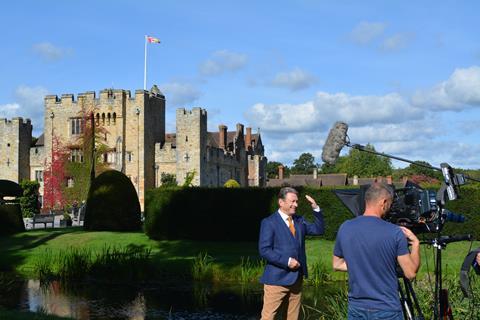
(19, 252)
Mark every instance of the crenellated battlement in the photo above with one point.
(197, 111)
(105, 95)
(16, 121)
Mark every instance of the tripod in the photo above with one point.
(441, 307)
(408, 299)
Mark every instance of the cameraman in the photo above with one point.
(369, 249)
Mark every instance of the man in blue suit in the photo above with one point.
(282, 244)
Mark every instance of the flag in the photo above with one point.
(153, 39)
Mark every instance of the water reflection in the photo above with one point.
(175, 300)
(165, 301)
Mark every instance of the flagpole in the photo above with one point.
(145, 67)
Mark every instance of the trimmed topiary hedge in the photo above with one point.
(112, 204)
(235, 214)
(11, 219)
(227, 214)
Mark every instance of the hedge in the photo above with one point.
(112, 204)
(235, 214)
(227, 213)
(11, 219)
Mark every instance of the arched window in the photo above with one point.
(103, 118)
(97, 122)
(108, 118)
(114, 117)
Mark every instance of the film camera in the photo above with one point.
(413, 207)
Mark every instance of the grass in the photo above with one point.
(31, 252)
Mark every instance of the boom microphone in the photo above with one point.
(337, 138)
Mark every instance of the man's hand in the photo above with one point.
(411, 237)
(410, 263)
(294, 264)
(312, 202)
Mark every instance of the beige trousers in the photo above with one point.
(278, 298)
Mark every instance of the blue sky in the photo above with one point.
(404, 75)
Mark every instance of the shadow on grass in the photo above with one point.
(11, 246)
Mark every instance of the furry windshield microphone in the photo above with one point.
(337, 138)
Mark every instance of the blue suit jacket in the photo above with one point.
(276, 244)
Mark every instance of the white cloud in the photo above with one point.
(460, 91)
(179, 94)
(294, 80)
(327, 108)
(29, 104)
(366, 32)
(9, 110)
(221, 62)
(50, 52)
(397, 42)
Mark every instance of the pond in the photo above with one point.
(174, 300)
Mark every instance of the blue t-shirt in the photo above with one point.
(370, 247)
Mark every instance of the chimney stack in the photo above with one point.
(248, 139)
(280, 172)
(222, 136)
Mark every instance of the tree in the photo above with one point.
(54, 177)
(304, 164)
(29, 199)
(365, 164)
(419, 173)
(272, 169)
(189, 179)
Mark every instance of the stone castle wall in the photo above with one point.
(15, 141)
(191, 144)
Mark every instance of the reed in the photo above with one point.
(110, 263)
(250, 270)
(202, 267)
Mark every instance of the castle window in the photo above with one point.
(77, 125)
(108, 118)
(39, 175)
(111, 157)
(76, 155)
(97, 121)
(114, 117)
(103, 118)
(129, 156)
(8, 144)
(186, 138)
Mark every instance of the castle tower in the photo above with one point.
(130, 128)
(15, 141)
(191, 145)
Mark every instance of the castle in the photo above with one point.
(134, 132)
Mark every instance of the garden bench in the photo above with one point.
(43, 218)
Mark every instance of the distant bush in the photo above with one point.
(168, 180)
(29, 199)
(112, 204)
(231, 183)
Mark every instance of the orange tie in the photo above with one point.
(290, 225)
